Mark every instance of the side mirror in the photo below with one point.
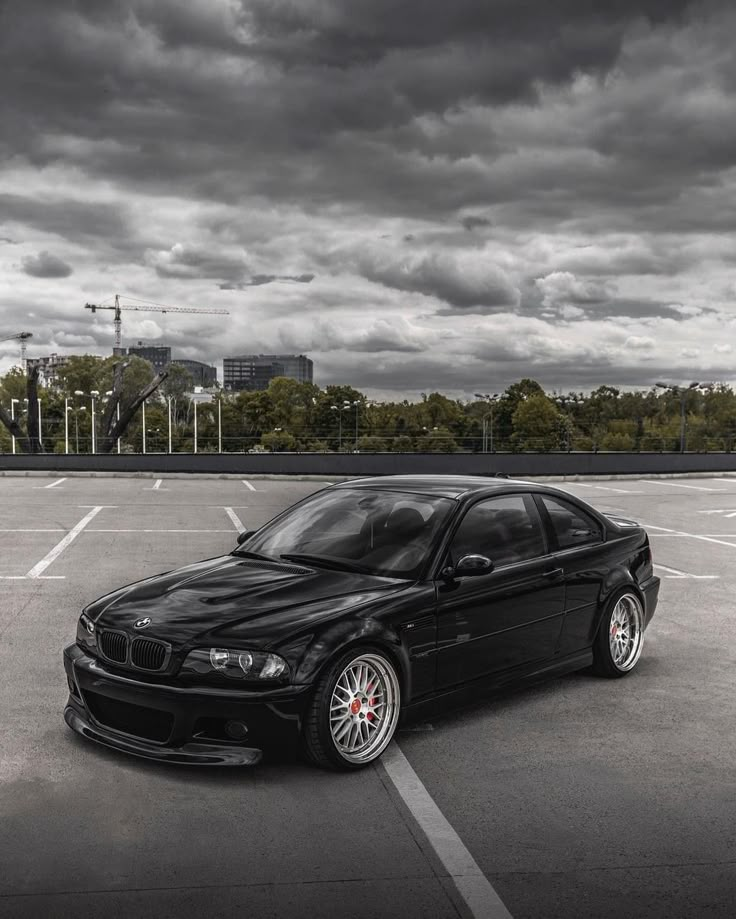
(246, 534)
(470, 565)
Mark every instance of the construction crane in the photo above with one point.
(145, 306)
(22, 337)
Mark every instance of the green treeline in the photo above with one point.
(302, 417)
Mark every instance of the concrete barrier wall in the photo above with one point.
(350, 464)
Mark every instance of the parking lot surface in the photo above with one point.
(579, 797)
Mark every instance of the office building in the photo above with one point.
(202, 374)
(158, 355)
(49, 367)
(255, 371)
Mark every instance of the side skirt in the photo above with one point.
(486, 686)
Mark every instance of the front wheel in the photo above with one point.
(354, 711)
(618, 644)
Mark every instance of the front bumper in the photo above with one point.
(177, 724)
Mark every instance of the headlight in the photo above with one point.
(239, 665)
(86, 633)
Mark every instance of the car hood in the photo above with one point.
(237, 597)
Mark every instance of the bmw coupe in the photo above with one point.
(349, 610)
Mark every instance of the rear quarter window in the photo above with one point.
(571, 525)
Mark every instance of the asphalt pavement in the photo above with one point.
(579, 797)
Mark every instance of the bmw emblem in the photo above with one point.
(142, 623)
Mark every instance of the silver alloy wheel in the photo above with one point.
(625, 632)
(364, 708)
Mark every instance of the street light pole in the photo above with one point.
(340, 409)
(169, 405)
(333, 408)
(12, 417)
(682, 392)
(195, 426)
(82, 408)
(219, 425)
(40, 439)
(93, 393)
(491, 400)
(143, 418)
(66, 424)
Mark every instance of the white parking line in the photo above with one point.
(237, 522)
(667, 530)
(622, 491)
(54, 484)
(156, 486)
(473, 886)
(676, 573)
(248, 485)
(680, 485)
(152, 530)
(39, 568)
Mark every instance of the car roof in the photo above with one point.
(447, 486)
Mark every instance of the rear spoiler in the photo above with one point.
(621, 521)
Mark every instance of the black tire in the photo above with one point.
(318, 741)
(615, 656)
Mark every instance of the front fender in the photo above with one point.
(341, 636)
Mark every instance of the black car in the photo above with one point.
(352, 608)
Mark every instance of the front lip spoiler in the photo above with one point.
(191, 754)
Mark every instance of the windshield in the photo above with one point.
(385, 533)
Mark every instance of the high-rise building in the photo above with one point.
(158, 355)
(203, 374)
(255, 371)
(49, 367)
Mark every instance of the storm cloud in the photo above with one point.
(397, 188)
(46, 265)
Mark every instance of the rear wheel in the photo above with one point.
(354, 711)
(620, 638)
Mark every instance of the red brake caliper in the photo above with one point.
(371, 702)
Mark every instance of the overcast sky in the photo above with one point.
(420, 195)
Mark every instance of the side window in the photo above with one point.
(506, 529)
(572, 526)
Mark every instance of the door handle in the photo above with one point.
(554, 574)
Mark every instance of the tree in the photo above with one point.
(369, 443)
(536, 425)
(82, 373)
(438, 440)
(256, 410)
(14, 385)
(114, 427)
(617, 440)
(279, 441)
(30, 439)
(178, 383)
(503, 414)
(402, 444)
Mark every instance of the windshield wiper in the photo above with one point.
(244, 553)
(325, 562)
